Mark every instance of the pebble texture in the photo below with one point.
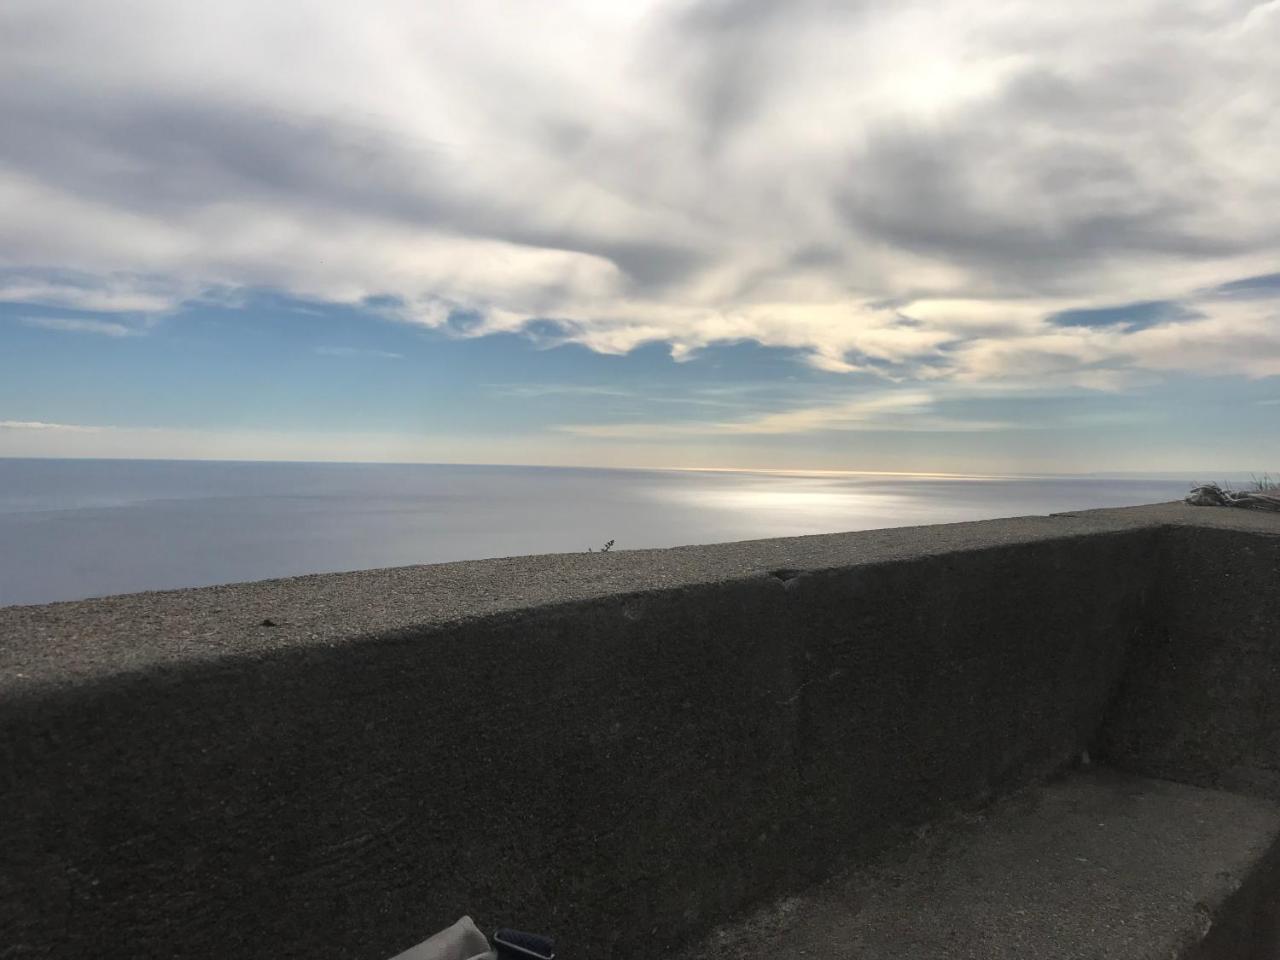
(91, 639)
(1100, 865)
(1201, 698)
(621, 749)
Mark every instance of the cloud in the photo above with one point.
(1263, 287)
(951, 190)
(104, 328)
(39, 425)
(725, 396)
(532, 391)
(909, 411)
(73, 290)
(358, 352)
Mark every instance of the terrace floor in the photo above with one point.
(1098, 864)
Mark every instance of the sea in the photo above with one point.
(71, 529)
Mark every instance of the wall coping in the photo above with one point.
(49, 646)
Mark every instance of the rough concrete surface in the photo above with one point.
(84, 639)
(1201, 697)
(620, 749)
(1098, 865)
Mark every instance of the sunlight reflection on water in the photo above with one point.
(811, 503)
(71, 529)
(791, 504)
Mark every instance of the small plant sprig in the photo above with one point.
(605, 549)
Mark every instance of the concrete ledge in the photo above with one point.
(94, 639)
(1094, 865)
(597, 745)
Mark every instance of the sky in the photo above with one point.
(946, 236)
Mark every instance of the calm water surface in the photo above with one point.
(82, 528)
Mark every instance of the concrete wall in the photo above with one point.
(624, 767)
(1201, 698)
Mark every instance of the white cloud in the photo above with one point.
(539, 390)
(104, 328)
(358, 352)
(902, 188)
(106, 294)
(899, 411)
(1228, 337)
(41, 426)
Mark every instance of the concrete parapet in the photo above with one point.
(625, 749)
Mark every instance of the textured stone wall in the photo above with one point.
(1201, 696)
(624, 771)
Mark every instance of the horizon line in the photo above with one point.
(781, 471)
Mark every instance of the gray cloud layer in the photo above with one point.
(912, 188)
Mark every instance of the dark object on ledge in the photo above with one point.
(1212, 495)
(515, 945)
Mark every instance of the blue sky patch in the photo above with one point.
(1260, 287)
(1129, 316)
